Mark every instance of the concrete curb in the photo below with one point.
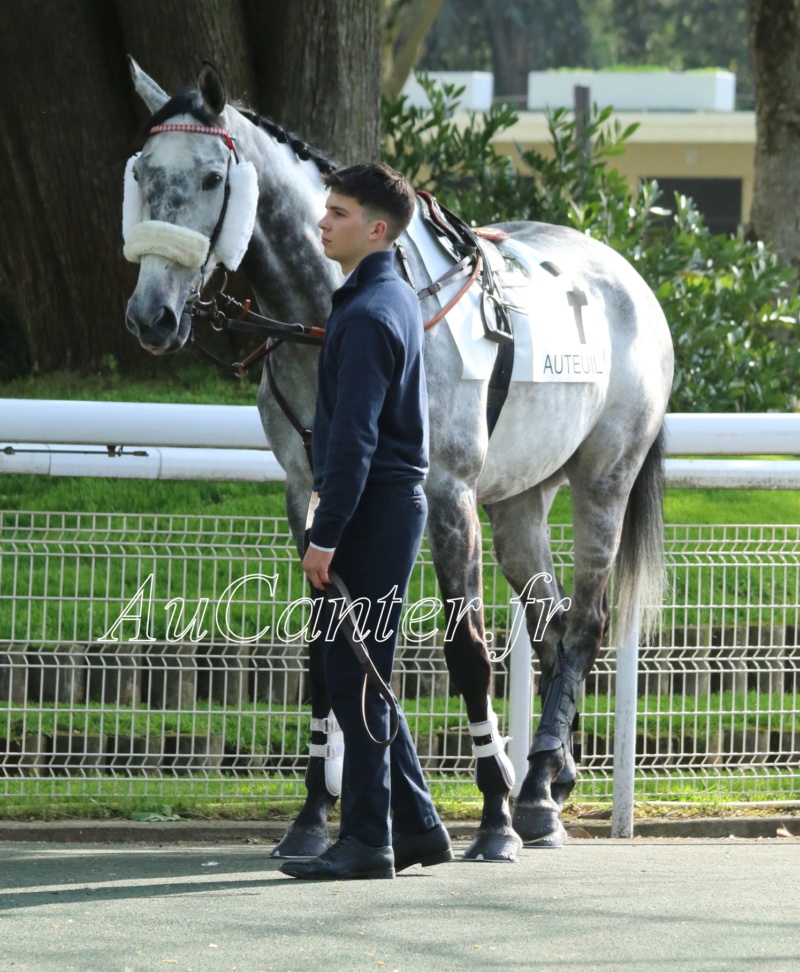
(269, 831)
(696, 827)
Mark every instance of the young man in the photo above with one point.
(370, 451)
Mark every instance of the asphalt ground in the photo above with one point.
(666, 904)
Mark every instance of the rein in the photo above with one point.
(225, 313)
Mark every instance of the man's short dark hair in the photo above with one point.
(381, 190)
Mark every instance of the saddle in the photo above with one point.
(465, 246)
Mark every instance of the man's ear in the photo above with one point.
(379, 231)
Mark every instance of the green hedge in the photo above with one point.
(733, 308)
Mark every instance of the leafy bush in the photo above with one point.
(732, 307)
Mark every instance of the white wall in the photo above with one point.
(479, 87)
(635, 90)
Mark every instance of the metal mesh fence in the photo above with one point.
(165, 655)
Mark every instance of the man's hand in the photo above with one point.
(316, 564)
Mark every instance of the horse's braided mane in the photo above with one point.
(300, 148)
(189, 101)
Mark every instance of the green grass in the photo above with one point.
(259, 728)
(720, 506)
(193, 498)
(725, 786)
(28, 492)
(252, 728)
(175, 379)
(216, 794)
(698, 718)
(114, 798)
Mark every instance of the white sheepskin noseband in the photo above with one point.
(185, 246)
(156, 238)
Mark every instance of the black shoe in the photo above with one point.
(347, 858)
(428, 848)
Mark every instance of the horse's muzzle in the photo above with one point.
(159, 333)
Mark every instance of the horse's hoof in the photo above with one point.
(302, 842)
(501, 846)
(539, 826)
(555, 839)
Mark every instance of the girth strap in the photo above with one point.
(499, 383)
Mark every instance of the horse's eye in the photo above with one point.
(212, 180)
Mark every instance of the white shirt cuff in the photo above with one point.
(323, 549)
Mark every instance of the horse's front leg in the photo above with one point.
(455, 539)
(308, 835)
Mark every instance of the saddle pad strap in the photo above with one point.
(459, 270)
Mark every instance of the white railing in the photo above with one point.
(227, 442)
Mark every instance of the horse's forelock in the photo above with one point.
(187, 101)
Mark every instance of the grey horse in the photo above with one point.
(601, 434)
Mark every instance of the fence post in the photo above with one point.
(520, 696)
(625, 731)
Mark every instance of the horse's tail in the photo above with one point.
(640, 574)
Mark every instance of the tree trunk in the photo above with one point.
(172, 38)
(318, 71)
(69, 115)
(67, 122)
(774, 28)
(406, 25)
(510, 55)
(533, 35)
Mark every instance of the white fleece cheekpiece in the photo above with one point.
(185, 246)
(240, 216)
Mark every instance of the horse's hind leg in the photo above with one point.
(519, 530)
(600, 493)
(455, 541)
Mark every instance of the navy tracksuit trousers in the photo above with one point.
(374, 558)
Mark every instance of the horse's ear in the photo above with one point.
(146, 88)
(212, 88)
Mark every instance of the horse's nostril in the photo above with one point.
(154, 329)
(166, 321)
